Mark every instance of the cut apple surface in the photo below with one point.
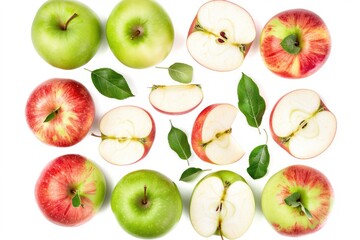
(176, 99)
(211, 137)
(221, 35)
(127, 134)
(222, 203)
(302, 124)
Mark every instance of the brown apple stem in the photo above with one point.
(95, 135)
(220, 231)
(144, 201)
(65, 26)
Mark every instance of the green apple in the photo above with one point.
(140, 33)
(297, 200)
(66, 33)
(222, 203)
(146, 203)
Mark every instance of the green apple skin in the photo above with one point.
(71, 47)
(139, 33)
(316, 195)
(154, 217)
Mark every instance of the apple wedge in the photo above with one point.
(221, 35)
(127, 134)
(176, 99)
(222, 203)
(302, 124)
(211, 137)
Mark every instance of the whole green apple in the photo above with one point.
(140, 33)
(297, 200)
(146, 203)
(66, 33)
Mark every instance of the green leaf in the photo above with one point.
(258, 161)
(110, 83)
(76, 200)
(52, 115)
(294, 200)
(180, 72)
(191, 173)
(179, 143)
(250, 103)
(291, 44)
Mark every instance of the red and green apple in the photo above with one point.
(295, 43)
(70, 190)
(297, 200)
(60, 112)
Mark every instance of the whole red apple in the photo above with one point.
(297, 200)
(70, 190)
(60, 112)
(295, 43)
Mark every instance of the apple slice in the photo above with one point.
(222, 203)
(127, 134)
(221, 35)
(302, 124)
(176, 99)
(211, 136)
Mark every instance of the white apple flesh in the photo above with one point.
(127, 134)
(222, 203)
(176, 99)
(221, 35)
(302, 125)
(211, 135)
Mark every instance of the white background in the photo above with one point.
(23, 156)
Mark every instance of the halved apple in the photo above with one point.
(211, 137)
(222, 203)
(221, 35)
(302, 124)
(127, 134)
(176, 99)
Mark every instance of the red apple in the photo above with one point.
(211, 137)
(301, 124)
(127, 134)
(297, 200)
(60, 112)
(70, 190)
(220, 36)
(295, 43)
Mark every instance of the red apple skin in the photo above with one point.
(315, 43)
(73, 119)
(196, 135)
(149, 140)
(278, 139)
(307, 179)
(55, 186)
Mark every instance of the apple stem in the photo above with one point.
(65, 26)
(144, 201)
(137, 31)
(220, 231)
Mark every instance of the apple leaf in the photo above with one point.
(191, 173)
(180, 72)
(258, 161)
(250, 102)
(110, 83)
(294, 200)
(76, 200)
(179, 143)
(291, 44)
(52, 115)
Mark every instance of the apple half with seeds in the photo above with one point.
(176, 99)
(301, 124)
(127, 134)
(211, 137)
(221, 35)
(222, 203)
